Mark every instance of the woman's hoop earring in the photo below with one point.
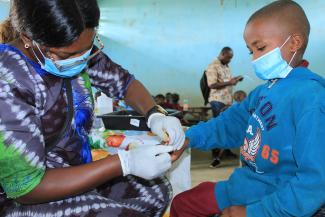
(26, 46)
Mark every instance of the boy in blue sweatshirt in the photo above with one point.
(279, 127)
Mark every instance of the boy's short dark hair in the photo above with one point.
(289, 15)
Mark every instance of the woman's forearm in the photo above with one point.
(60, 183)
(138, 97)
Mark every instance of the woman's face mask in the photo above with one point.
(67, 68)
(64, 68)
(271, 65)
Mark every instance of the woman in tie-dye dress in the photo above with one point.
(44, 172)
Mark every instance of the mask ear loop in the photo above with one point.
(39, 61)
(293, 54)
(292, 58)
(285, 42)
(275, 80)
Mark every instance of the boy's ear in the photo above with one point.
(297, 42)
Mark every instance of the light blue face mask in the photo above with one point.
(64, 68)
(271, 65)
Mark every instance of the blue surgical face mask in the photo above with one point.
(271, 65)
(64, 68)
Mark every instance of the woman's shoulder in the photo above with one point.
(12, 57)
(16, 72)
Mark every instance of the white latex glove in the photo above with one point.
(168, 128)
(146, 162)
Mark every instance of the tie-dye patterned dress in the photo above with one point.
(33, 109)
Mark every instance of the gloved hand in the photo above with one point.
(169, 129)
(146, 162)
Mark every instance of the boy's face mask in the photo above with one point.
(64, 68)
(271, 65)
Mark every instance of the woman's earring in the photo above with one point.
(27, 46)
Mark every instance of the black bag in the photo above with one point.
(205, 88)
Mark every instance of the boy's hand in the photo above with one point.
(177, 153)
(234, 211)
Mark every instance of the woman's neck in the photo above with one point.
(18, 43)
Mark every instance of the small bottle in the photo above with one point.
(98, 122)
(185, 105)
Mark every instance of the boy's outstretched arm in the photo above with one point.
(225, 131)
(304, 194)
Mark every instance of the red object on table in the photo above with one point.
(115, 140)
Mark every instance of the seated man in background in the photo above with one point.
(239, 96)
(279, 126)
(169, 98)
(175, 102)
(160, 100)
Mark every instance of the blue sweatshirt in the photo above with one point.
(281, 131)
